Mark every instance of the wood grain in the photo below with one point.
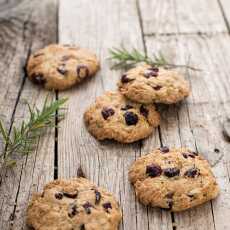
(181, 16)
(197, 122)
(24, 30)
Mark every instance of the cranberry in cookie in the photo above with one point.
(60, 67)
(73, 204)
(145, 84)
(175, 179)
(115, 117)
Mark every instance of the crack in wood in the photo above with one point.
(56, 141)
(199, 33)
(12, 215)
(141, 25)
(224, 16)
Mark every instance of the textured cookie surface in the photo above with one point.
(174, 179)
(114, 117)
(146, 84)
(73, 204)
(61, 66)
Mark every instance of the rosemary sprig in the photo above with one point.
(125, 59)
(23, 139)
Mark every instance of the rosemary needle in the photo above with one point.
(23, 139)
(125, 59)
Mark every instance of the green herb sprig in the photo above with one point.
(125, 59)
(23, 139)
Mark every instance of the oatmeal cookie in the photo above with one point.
(173, 179)
(59, 67)
(73, 204)
(146, 84)
(115, 117)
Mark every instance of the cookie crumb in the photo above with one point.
(80, 172)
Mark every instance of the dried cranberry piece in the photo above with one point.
(125, 79)
(158, 87)
(62, 70)
(97, 197)
(153, 170)
(87, 207)
(82, 70)
(107, 112)
(72, 210)
(106, 206)
(38, 78)
(194, 153)
(131, 118)
(82, 227)
(150, 73)
(71, 194)
(192, 172)
(164, 149)
(186, 155)
(190, 195)
(144, 111)
(127, 107)
(59, 195)
(171, 172)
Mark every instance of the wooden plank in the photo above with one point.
(30, 21)
(197, 122)
(181, 16)
(103, 24)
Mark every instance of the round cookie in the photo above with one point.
(73, 204)
(115, 117)
(146, 84)
(173, 179)
(61, 66)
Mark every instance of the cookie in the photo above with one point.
(115, 117)
(60, 67)
(146, 84)
(73, 204)
(173, 179)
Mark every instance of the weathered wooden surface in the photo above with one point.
(194, 31)
(175, 16)
(23, 28)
